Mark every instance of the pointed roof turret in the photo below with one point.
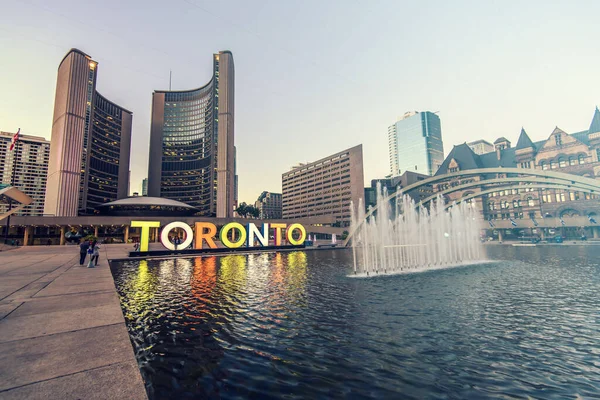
(524, 140)
(595, 125)
(464, 156)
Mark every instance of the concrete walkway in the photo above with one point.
(62, 331)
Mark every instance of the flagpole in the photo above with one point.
(12, 183)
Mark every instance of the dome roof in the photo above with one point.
(147, 201)
(146, 206)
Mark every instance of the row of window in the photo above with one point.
(562, 162)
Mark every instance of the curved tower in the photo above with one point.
(90, 144)
(191, 143)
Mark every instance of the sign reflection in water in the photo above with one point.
(185, 313)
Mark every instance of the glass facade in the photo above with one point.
(101, 176)
(418, 144)
(192, 152)
(189, 146)
(90, 90)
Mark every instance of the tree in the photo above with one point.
(255, 212)
(242, 209)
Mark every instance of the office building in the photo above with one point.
(415, 144)
(145, 187)
(192, 143)
(325, 187)
(269, 205)
(481, 147)
(31, 168)
(90, 144)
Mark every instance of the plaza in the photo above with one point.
(62, 331)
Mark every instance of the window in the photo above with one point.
(558, 139)
(455, 169)
(581, 159)
(491, 205)
(572, 160)
(552, 164)
(544, 165)
(560, 197)
(530, 201)
(532, 214)
(562, 162)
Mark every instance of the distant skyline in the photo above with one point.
(314, 78)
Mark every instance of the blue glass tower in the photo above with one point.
(415, 144)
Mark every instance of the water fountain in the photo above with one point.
(409, 239)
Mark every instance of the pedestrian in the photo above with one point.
(95, 254)
(90, 251)
(83, 248)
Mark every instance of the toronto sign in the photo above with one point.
(206, 232)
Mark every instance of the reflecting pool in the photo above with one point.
(297, 325)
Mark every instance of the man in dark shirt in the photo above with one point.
(83, 247)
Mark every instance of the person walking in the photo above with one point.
(83, 248)
(90, 251)
(95, 254)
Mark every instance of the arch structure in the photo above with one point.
(512, 178)
(13, 194)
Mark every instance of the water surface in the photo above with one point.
(294, 325)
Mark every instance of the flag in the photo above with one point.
(535, 223)
(512, 222)
(491, 223)
(562, 222)
(13, 142)
(592, 220)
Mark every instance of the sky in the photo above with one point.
(315, 77)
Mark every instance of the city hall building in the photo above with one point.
(90, 144)
(192, 154)
(576, 153)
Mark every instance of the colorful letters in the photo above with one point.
(232, 235)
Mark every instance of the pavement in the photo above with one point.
(62, 331)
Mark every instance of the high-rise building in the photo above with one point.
(90, 145)
(325, 187)
(145, 187)
(31, 168)
(415, 143)
(481, 147)
(269, 205)
(191, 143)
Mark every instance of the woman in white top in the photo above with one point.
(95, 255)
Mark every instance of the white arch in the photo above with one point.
(573, 179)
